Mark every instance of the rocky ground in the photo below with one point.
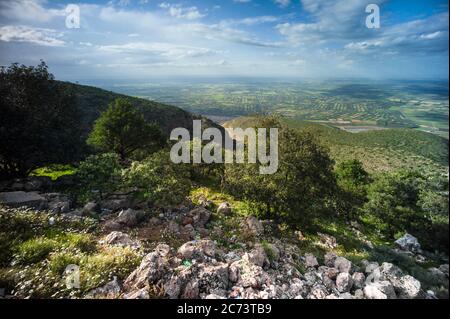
(204, 251)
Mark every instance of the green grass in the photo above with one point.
(54, 171)
(35, 255)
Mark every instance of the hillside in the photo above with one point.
(379, 150)
(93, 101)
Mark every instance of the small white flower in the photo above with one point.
(51, 221)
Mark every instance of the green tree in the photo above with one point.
(123, 130)
(39, 121)
(352, 180)
(302, 186)
(394, 199)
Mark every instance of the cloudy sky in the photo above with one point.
(139, 39)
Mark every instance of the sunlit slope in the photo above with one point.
(384, 150)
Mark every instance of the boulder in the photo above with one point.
(311, 261)
(137, 294)
(20, 199)
(117, 238)
(253, 227)
(191, 290)
(318, 292)
(444, 269)
(197, 250)
(344, 282)
(213, 277)
(91, 208)
(437, 277)
(408, 243)
(224, 209)
(409, 287)
(246, 274)
(371, 266)
(342, 264)
(380, 290)
(111, 290)
(257, 256)
(130, 217)
(114, 205)
(329, 259)
(200, 217)
(152, 268)
(358, 280)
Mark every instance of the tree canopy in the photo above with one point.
(39, 121)
(123, 130)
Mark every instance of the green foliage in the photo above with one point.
(97, 269)
(352, 175)
(99, 175)
(54, 171)
(39, 122)
(35, 250)
(18, 226)
(302, 187)
(123, 130)
(160, 180)
(352, 180)
(406, 202)
(38, 248)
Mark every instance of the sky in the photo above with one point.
(141, 39)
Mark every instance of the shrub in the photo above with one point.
(99, 175)
(160, 181)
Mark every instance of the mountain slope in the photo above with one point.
(383, 150)
(93, 101)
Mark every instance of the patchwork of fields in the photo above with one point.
(396, 104)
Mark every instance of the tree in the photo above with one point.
(352, 180)
(39, 121)
(123, 130)
(394, 199)
(302, 186)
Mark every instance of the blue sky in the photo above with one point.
(140, 39)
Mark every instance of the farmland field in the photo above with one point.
(350, 105)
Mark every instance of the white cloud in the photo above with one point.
(39, 36)
(180, 12)
(167, 50)
(28, 10)
(251, 21)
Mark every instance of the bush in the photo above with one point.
(159, 180)
(99, 175)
